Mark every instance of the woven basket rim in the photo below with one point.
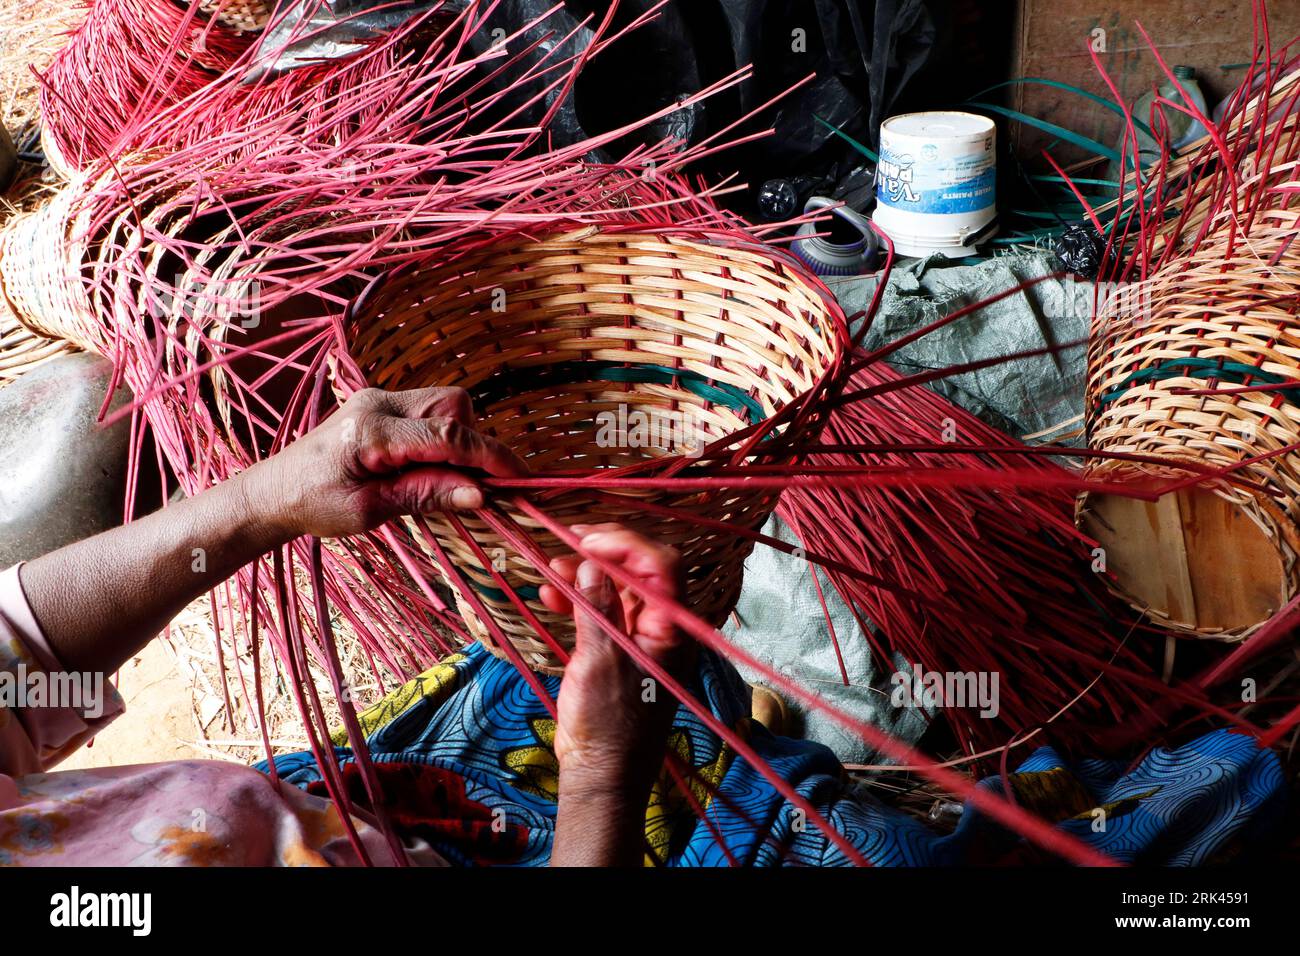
(723, 238)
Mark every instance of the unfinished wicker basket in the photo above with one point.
(21, 347)
(68, 286)
(1211, 560)
(564, 341)
(41, 255)
(49, 257)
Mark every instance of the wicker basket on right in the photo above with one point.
(1169, 374)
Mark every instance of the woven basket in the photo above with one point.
(244, 16)
(49, 256)
(21, 349)
(41, 256)
(550, 335)
(1211, 560)
(50, 262)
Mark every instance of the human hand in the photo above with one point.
(381, 455)
(613, 719)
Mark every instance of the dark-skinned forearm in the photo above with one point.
(600, 818)
(100, 600)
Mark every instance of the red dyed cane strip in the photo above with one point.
(355, 734)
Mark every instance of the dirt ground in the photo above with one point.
(156, 725)
(33, 31)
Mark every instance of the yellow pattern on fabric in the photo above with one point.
(194, 848)
(535, 768)
(437, 680)
(668, 805)
(1059, 795)
(1115, 808)
(1055, 794)
(536, 771)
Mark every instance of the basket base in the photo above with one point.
(1191, 558)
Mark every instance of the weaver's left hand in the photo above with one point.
(383, 454)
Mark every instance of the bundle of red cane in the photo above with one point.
(127, 62)
(271, 85)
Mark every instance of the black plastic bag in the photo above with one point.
(855, 58)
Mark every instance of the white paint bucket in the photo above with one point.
(936, 182)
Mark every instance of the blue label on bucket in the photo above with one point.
(936, 184)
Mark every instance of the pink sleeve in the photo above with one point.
(46, 712)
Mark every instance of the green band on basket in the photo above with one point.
(529, 592)
(519, 381)
(1234, 372)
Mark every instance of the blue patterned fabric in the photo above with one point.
(473, 720)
